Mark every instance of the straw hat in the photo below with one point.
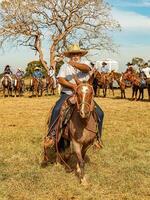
(73, 49)
(36, 68)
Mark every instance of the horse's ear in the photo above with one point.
(78, 82)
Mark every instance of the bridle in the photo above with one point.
(79, 105)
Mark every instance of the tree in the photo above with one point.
(59, 23)
(138, 61)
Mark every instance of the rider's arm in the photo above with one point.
(62, 81)
(81, 66)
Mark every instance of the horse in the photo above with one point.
(50, 85)
(36, 87)
(81, 128)
(136, 81)
(148, 87)
(6, 85)
(102, 80)
(18, 86)
(121, 82)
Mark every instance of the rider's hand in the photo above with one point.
(74, 86)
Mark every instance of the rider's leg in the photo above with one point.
(100, 115)
(55, 115)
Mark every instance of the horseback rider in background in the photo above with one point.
(51, 74)
(146, 70)
(7, 72)
(37, 73)
(19, 73)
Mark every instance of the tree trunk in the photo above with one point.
(39, 49)
(52, 56)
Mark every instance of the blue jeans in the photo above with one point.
(56, 111)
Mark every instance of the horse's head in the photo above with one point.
(84, 97)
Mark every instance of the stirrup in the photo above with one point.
(49, 142)
(98, 144)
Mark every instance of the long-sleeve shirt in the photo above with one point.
(37, 74)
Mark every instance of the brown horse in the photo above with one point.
(18, 86)
(50, 85)
(135, 80)
(81, 128)
(36, 87)
(121, 82)
(103, 81)
(6, 85)
(148, 87)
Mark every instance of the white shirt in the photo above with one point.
(104, 69)
(146, 71)
(67, 71)
(51, 72)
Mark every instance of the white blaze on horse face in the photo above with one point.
(84, 91)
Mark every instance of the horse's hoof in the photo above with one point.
(44, 164)
(84, 182)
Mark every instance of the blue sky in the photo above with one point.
(133, 40)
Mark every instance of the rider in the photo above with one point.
(104, 68)
(19, 73)
(146, 70)
(51, 73)
(65, 77)
(129, 68)
(8, 72)
(37, 73)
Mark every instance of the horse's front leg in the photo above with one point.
(80, 161)
(4, 92)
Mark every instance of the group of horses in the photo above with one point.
(102, 81)
(17, 86)
(127, 79)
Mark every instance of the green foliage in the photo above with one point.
(32, 65)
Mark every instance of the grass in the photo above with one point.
(120, 171)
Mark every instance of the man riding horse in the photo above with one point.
(19, 82)
(7, 72)
(51, 74)
(80, 69)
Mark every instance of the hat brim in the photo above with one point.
(69, 53)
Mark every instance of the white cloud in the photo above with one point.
(132, 21)
(125, 3)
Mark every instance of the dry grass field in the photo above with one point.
(120, 171)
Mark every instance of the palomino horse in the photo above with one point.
(6, 84)
(81, 127)
(18, 86)
(36, 87)
(50, 85)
